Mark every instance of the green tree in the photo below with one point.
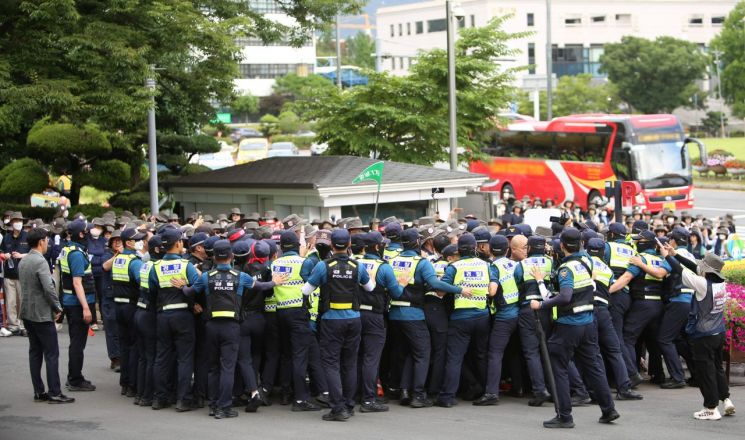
(405, 118)
(573, 95)
(20, 179)
(269, 125)
(245, 105)
(289, 122)
(293, 86)
(712, 123)
(360, 51)
(654, 76)
(326, 43)
(176, 150)
(731, 43)
(80, 152)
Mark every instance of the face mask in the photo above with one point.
(65, 214)
(671, 220)
(603, 214)
(139, 245)
(95, 232)
(645, 245)
(6, 221)
(721, 236)
(17, 226)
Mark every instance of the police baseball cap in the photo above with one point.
(222, 249)
(512, 231)
(617, 228)
(170, 237)
(596, 247)
(209, 243)
(472, 224)
(288, 240)
(241, 248)
(393, 230)
(467, 241)
(410, 236)
(481, 234)
(591, 225)
(373, 238)
(340, 238)
(449, 250)
(680, 234)
(132, 234)
(524, 229)
(639, 226)
(198, 239)
(156, 241)
(75, 227)
(570, 236)
(644, 236)
(536, 244)
(499, 244)
(358, 242)
(588, 234)
(262, 249)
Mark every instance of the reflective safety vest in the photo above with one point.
(125, 290)
(341, 289)
(620, 254)
(584, 288)
(440, 266)
(372, 301)
(390, 254)
(143, 301)
(222, 300)
(510, 292)
(603, 275)
(473, 273)
(676, 286)
(529, 289)
(315, 296)
(413, 295)
(169, 297)
(648, 287)
(89, 285)
(290, 294)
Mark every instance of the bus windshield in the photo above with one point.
(658, 165)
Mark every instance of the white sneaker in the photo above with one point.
(729, 407)
(708, 414)
(4, 332)
(58, 326)
(94, 327)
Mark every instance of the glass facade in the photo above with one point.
(242, 42)
(575, 59)
(265, 6)
(271, 71)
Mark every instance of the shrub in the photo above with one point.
(136, 202)
(20, 179)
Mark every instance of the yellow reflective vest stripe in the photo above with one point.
(472, 273)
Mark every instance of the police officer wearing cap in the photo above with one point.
(145, 322)
(618, 253)
(78, 297)
(293, 317)
(372, 308)
(644, 277)
(175, 322)
(610, 346)
(198, 257)
(469, 322)
(125, 272)
(340, 278)
(677, 300)
(407, 321)
(574, 335)
(393, 233)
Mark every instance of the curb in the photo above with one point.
(727, 186)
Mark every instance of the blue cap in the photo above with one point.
(617, 228)
(639, 226)
(410, 236)
(241, 248)
(132, 234)
(449, 250)
(170, 237)
(680, 234)
(374, 238)
(272, 246)
(75, 227)
(536, 244)
(499, 244)
(222, 249)
(358, 241)
(591, 225)
(288, 240)
(481, 234)
(209, 243)
(156, 241)
(512, 231)
(596, 247)
(645, 235)
(261, 249)
(570, 236)
(472, 224)
(467, 241)
(393, 229)
(165, 227)
(340, 238)
(198, 239)
(587, 234)
(524, 229)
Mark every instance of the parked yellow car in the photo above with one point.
(251, 149)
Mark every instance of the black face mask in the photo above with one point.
(645, 246)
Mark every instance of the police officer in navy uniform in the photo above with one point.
(574, 335)
(175, 323)
(125, 272)
(145, 322)
(201, 261)
(393, 233)
(610, 346)
(618, 253)
(339, 278)
(79, 296)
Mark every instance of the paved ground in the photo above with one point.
(716, 203)
(104, 414)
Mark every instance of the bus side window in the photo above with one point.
(539, 145)
(509, 144)
(570, 146)
(621, 161)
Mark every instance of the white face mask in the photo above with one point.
(671, 220)
(18, 226)
(6, 221)
(722, 237)
(95, 232)
(139, 245)
(65, 214)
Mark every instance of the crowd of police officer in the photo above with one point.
(235, 312)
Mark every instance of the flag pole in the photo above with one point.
(377, 197)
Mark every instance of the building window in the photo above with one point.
(437, 25)
(419, 27)
(409, 59)
(473, 21)
(531, 58)
(265, 6)
(696, 20)
(623, 19)
(408, 28)
(575, 59)
(573, 21)
(243, 42)
(718, 20)
(598, 19)
(461, 22)
(393, 63)
(401, 63)
(271, 71)
(400, 30)
(393, 31)
(531, 19)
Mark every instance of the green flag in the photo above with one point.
(373, 172)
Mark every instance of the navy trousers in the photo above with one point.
(43, 347)
(108, 314)
(610, 347)
(462, 335)
(531, 344)
(249, 350)
(125, 319)
(145, 322)
(501, 331)
(413, 348)
(643, 313)
(175, 330)
(340, 342)
(78, 339)
(436, 317)
(221, 345)
(296, 337)
(674, 319)
(371, 347)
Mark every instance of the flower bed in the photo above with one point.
(734, 312)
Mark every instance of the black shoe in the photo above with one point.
(628, 395)
(83, 386)
(240, 401)
(286, 399)
(692, 382)
(673, 385)
(123, 392)
(486, 400)
(446, 403)
(581, 400)
(184, 406)
(539, 399)
(340, 416)
(136, 402)
(146, 402)
(159, 404)
(212, 411)
(609, 417)
(405, 399)
(382, 399)
(516, 392)
(421, 402)
(636, 380)
(556, 422)
(225, 413)
(350, 411)
(393, 394)
(324, 400)
(253, 404)
(264, 397)
(658, 380)
(60, 399)
(43, 397)
(368, 407)
(131, 392)
(305, 406)
(198, 402)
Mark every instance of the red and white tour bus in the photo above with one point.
(571, 158)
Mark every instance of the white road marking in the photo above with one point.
(701, 208)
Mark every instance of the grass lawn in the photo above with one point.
(93, 196)
(736, 146)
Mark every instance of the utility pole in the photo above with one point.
(152, 149)
(338, 55)
(719, 93)
(549, 64)
(451, 29)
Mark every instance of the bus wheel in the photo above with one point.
(508, 189)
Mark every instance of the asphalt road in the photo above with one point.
(714, 203)
(104, 414)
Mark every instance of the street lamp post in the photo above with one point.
(549, 66)
(152, 150)
(338, 55)
(719, 93)
(453, 10)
